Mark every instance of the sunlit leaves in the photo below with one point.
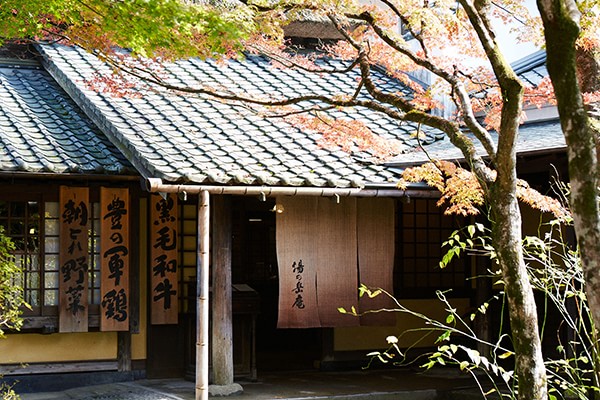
(11, 289)
(541, 202)
(150, 28)
(461, 192)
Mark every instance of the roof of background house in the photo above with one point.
(541, 136)
(534, 138)
(532, 68)
(192, 138)
(43, 131)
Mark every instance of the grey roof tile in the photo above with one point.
(200, 140)
(536, 137)
(42, 129)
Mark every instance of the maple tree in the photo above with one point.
(454, 41)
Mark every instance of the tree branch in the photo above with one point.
(457, 85)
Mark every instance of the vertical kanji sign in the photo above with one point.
(163, 259)
(74, 259)
(114, 259)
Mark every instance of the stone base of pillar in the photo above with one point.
(225, 390)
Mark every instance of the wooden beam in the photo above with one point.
(134, 270)
(202, 277)
(57, 368)
(222, 321)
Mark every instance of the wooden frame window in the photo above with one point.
(33, 225)
(421, 229)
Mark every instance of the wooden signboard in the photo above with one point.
(114, 256)
(163, 259)
(74, 259)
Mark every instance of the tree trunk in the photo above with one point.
(506, 234)
(507, 240)
(561, 29)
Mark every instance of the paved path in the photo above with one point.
(355, 385)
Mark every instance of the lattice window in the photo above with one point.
(422, 228)
(34, 228)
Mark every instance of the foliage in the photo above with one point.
(555, 270)
(11, 294)
(7, 392)
(462, 193)
(11, 300)
(157, 28)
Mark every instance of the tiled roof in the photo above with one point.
(532, 69)
(533, 138)
(43, 130)
(183, 138)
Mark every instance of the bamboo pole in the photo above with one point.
(202, 283)
(155, 185)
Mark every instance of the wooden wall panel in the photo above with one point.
(114, 252)
(163, 259)
(74, 259)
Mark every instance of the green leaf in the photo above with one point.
(471, 230)
(443, 337)
(450, 318)
(505, 355)
(342, 310)
(428, 365)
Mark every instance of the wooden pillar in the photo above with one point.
(222, 323)
(202, 277)
(123, 351)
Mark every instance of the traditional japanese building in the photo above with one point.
(123, 208)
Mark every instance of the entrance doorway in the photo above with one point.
(255, 264)
(171, 348)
